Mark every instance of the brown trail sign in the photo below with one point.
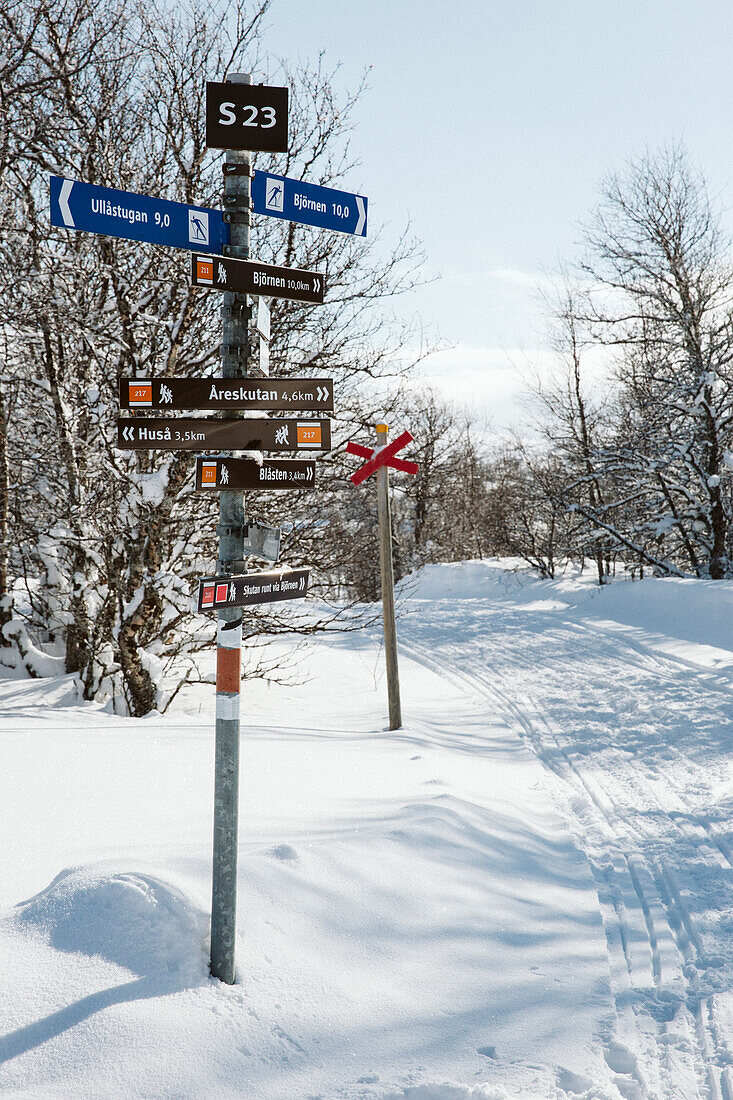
(244, 589)
(246, 116)
(210, 394)
(221, 472)
(198, 434)
(253, 277)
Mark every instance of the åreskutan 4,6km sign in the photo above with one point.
(246, 116)
(260, 394)
(253, 277)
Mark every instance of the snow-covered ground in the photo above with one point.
(526, 892)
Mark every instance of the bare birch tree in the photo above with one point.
(109, 543)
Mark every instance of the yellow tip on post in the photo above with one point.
(382, 427)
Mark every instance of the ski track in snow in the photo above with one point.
(632, 740)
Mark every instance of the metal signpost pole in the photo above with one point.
(235, 352)
(385, 564)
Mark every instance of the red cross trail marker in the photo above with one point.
(381, 456)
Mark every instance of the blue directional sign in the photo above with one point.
(93, 209)
(309, 204)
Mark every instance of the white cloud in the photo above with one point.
(495, 384)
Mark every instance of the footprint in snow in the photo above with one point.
(573, 1082)
(283, 852)
(488, 1052)
(277, 1030)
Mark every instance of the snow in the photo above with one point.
(525, 892)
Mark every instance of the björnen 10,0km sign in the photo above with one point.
(254, 277)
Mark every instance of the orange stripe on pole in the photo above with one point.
(227, 670)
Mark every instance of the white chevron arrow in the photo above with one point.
(64, 196)
(360, 231)
(128, 433)
(316, 285)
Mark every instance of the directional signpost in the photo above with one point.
(275, 394)
(309, 203)
(196, 434)
(92, 209)
(240, 118)
(379, 458)
(253, 277)
(221, 472)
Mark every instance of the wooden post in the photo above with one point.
(387, 572)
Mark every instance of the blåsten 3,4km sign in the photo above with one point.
(113, 213)
(309, 204)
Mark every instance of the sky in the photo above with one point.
(490, 124)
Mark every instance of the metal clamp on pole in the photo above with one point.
(237, 565)
(237, 217)
(241, 351)
(239, 308)
(231, 532)
(238, 170)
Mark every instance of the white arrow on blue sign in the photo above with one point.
(309, 204)
(93, 209)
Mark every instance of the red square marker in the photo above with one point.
(221, 593)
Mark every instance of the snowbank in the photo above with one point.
(459, 910)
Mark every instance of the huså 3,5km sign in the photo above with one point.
(202, 434)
